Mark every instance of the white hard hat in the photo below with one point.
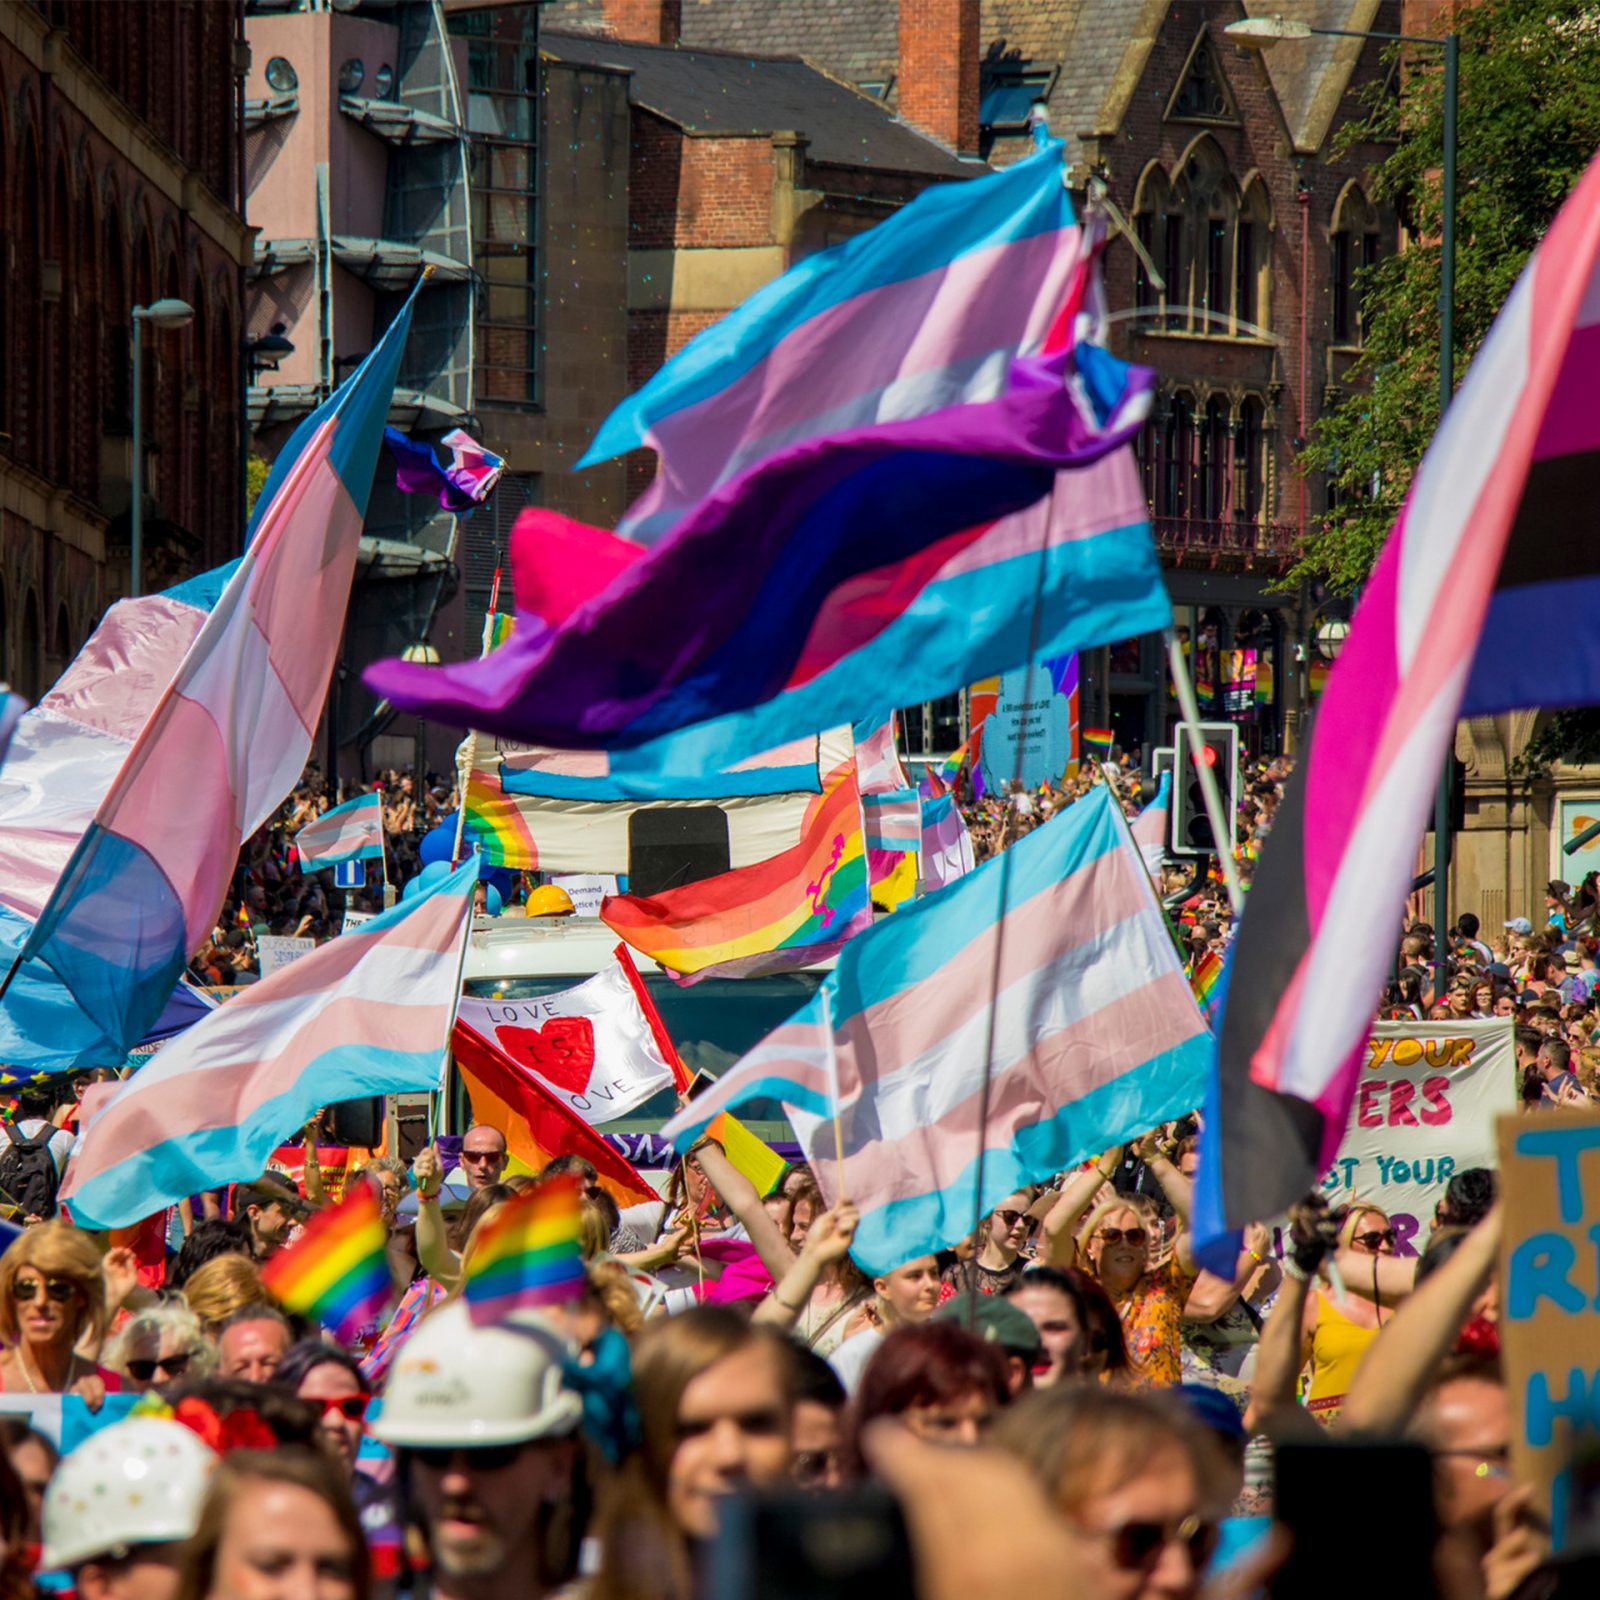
(136, 1482)
(454, 1383)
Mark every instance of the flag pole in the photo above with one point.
(464, 769)
(833, 1088)
(1221, 829)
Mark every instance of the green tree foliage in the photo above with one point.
(1529, 124)
(256, 469)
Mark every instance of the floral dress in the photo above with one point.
(1152, 1316)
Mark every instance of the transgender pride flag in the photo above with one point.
(367, 1013)
(351, 832)
(1096, 1037)
(229, 735)
(924, 311)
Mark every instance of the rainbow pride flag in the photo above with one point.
(527, 1255)
(336, 1271)
(500, 626)
(1098, 738)
(788, 911)
(1206, 981)
(500, 829)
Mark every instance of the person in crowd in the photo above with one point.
(1561, 1086)
(906, 1294)
(16, 1537)
(252, 1342)
(995, 1320)
(327, 1377)
(33, 1155)
(276, 1525)
(998, 1262)
(579, 1167)
(716, 1414)
(483, 1156)
(161, 1345)
(224, 1285)
(1054, 1302)
(272, 1205)
(820, 1404)
(485, 1435)
(945, 1384)
(52, 1297)
(33, 1458)
(1136, 1479)
(121, 1504)
(1120, 1245)
(209, 1239)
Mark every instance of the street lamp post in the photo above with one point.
(161, 314)
(1262, 33)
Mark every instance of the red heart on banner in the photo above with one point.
(562, 1050)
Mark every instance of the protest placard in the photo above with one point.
(586, 890)
(354, 919)
(1550, 1305)
(1425, 1110)
(274, 951)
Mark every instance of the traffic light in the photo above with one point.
(1216, 744)
(1160, 762)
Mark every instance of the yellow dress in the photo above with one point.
(1337, 1346)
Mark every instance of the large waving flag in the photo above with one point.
(351, 832)
(946, 845)
(923, 311)
(1096, 1037)
(786, 912)
(227, 738)
(878, 765)
(839, 571)
(368, 1013)
(1488, 541)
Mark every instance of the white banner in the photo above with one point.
(586, 890)
(274, 951)
(1425, 1109)
(590, 1045)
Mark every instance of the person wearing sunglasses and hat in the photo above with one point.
(52, 1293)
(488, 1454)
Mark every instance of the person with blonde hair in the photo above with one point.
(224, 1285)
(161, 1345)
(52, 1300)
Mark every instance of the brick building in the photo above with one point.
(1223, 163)
(117, 187)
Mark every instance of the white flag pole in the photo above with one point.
(1221, 826)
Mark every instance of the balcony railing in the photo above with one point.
(1191, 539)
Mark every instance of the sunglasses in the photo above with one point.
(352, 1407)
(1373, 1241)
(1012, 1218)
(174, 1366)
(487, 1458)
(1122, 1236)
(58, 1289)
(1137, 1545)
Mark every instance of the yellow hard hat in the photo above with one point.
(550, 900)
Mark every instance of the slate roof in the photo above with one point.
(722, 91)
(1310, 77)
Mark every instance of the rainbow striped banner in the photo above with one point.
(337, 1270)
(786, 912)
(494, 821)
(527, 1254)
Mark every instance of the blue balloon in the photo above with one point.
(430, 875)
(439, 843)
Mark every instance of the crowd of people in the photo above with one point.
(1069, 1361)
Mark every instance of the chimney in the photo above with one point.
(939, 70)
(644, 21)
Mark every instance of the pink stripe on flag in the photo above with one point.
(920, 325)
(1088, 1054)
(190, 1103)
(1572, 423)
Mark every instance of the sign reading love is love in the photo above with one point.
(590, 1045)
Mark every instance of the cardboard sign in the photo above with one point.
(1425, 1109)
(354, 919)
(274, 951)
(1550, 1304)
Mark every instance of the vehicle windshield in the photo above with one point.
(712, 1022)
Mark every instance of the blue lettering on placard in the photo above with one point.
(1564, 1146)
(1541, 1409)
(1539, 1268)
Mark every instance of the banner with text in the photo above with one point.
(1030, 722)
(591, 1045)
(1425, 1110)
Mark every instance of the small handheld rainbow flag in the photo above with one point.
(527, 1254)
(1205, 981)
(336, 1271)
(1100, 738)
